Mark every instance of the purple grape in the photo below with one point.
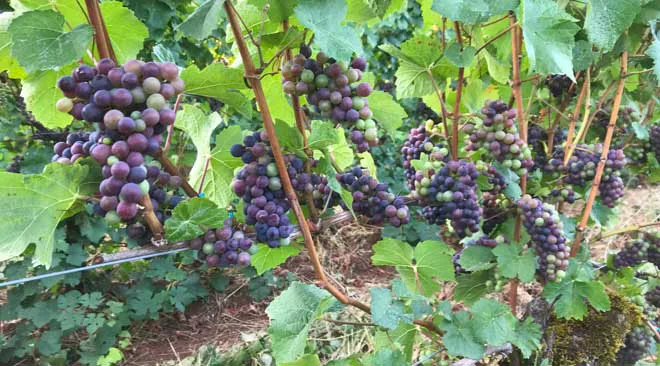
(121, 97)
(120, 170)
(130, 192)
(126, 210)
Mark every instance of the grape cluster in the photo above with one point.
(259, 184)
(451, 193)
(565, 194)
(558, 84)
(497, 134)
(419, 142)
(129, 105)
(223, 246)
(654, 139)
(637, 151)
(495, 210)
(334, 91)
(537, 138)
(635, 252)
(654, 247)
(373, 199)
(76, 146)
(611, 189)
(637, 345)
(545, 229)
(653, 296)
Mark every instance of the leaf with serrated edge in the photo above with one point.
(190, 216)
(493, 321)
(514, 265)
(203, 21)
(606, 20)
(118, 19)
(220, 82)
(387, 112)
(268, 258)
(385, 311)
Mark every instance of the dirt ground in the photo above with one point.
(228, 319)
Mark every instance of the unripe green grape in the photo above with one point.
(539, 221)
(285, 241)
(140, 125)
(307, 76)
(136, 114)
(111, 218)
(207, 248)
(156, 101)
(144, 186)
(358, 103)
(369, 124)
(138, 95)
(112, 159)
(253, 249)
(151, 85)
(371, 134)
(64, 105)
(321, 81)
(271, 170)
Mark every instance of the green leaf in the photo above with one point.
(512, 189)
(7, 62)
(433, 262)
(40, 97)
(279, 105)
(601, 214)
(476, 258)
(574, 291)
(583, 56)
(219, 281)
(527, 337)
(507, 229)
(189, 217)
(220, 82)
(513, 264)
(288, 328)
(113, 357)
(386, 311)
(367, 161)
(493, 321)
(472, 286)
(641, 131)
(50, 342)
(606, 20)
(654, 53)
(281, 10)
(117, 20)
(549, 35)
(458, 57)
(388, 113)
(33, 206)
(387, 357)
(323, 135)
(342, 151)
(402, 338)
(192, 120)
(289, 137)
(217, 184)
(38, 42)
(155, 13)
(268, 258)
(203, 21)
(323, 17)
(472, 11)
(306, 360)
(460, 337)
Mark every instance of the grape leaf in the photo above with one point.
(7, 62)
(291, 315)
(220, 82)
(471, 287)
(476, 258)
(323, 135)
(472, 11)
(203, 21)
(69, 8)
(654, 52)
(323, 17)
(268, 258)
(458, 57)
(549, 35)
(583, 56)
(117, 20)
(367, 161)
(386, 311)
(289, 137)
(432, 262)
(384, 356)
(527, 336)
(40, 97)
(217, 184)
(341, 151)
(50, 342)
(278, 103)
(401, 338)
(493, 321)
(606, 20)
(38, 42)
(155, 13)
(513, 264)
(460, 337)
(388, 113)
(253, 19)
(306, 360)
(191, 217)
(35, 204)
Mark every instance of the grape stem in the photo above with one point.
(496, 37)
(100, 30)
(623, 230)
(284, 175)
(603, 156)
(443, 109)
(150, 217)
(522, 127)
(172, 170)
(457, 101)
(551, 132)
(585, 94)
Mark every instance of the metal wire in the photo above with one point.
(87, 268)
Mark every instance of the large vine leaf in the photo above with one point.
(386, 311)
(323, 17)
(69, 8)
(549, 34)
(217, 184)
(38, 42)
(268, 258)
(291, 314)
(606, 20)
(279, 105)
(33, 206)
(387, 112)
(220, 82)
(40, 97)
(472, 11)
(191, 217)
(204, 20)
(117, 20)
(154, 13)
(7, 62)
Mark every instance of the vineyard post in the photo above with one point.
(522, 127)
(603, 156)
(255, 82)
(457, 102)
(584, 95)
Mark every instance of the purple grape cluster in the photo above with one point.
(259, 184)
(419, 142)
(224, 246)
(373, 199)
(497, 135)
(636, 152)
(129, 104)
(76, 146)
(333, 91)
(565, 194)
(451, 194)
(637, 345)
(545, 229)
(654, 140)
(654, 247)
(653, 296)
(635, 252)
(558, 84)
(495, 210)
(537, 138)
(611, 189)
